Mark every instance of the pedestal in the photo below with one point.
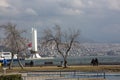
(35, 55)
(4, 70)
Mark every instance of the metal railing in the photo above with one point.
(61, 75)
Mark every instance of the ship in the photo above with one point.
(7, 56)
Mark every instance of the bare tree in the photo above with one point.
(63, 40)
(14, 41)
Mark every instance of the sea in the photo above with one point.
(76, 60)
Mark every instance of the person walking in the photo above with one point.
(96, 62)
(31, 63)
(93, 62)
(5, 62)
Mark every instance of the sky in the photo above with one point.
(98, 20)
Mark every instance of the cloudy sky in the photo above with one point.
(98, 20)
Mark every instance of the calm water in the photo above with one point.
(83, 60)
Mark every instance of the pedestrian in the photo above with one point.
(93, 61)
(31, 63)
(96, 62)
(61, 63)
(5, 62)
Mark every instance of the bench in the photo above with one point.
(48, 63)
(29, 64)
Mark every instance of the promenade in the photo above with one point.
(62, 75)
(57, 78)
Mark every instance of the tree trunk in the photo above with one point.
(11, 62)
(19, 62)
(65, 63)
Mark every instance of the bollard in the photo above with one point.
(74, 73)
(104, 75)
(60, 74)
(4, 70)
(0, 64)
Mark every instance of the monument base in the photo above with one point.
(35, 55)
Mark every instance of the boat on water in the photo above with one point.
(7, 56)
(39, 58)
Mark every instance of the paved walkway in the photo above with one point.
(26, 77)
(57, 78)
(51, 76)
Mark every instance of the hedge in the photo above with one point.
(11, 77)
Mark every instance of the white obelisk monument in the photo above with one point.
(34, 39)
(34, 51)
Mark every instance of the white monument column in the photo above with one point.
(34, 40)
(34, 44)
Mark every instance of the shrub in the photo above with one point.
(11, 77)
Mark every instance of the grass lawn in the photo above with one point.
(103, 68)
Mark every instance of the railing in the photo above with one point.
(61, 75)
